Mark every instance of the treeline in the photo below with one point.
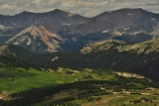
(37, 95)
(13, 62)
(143, 64)
(141, 37)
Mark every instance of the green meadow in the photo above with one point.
(70, 87)
(19, 79)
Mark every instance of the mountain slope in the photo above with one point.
(37, 39)
(129, 20)
(15, 56)
(141, 58)
(16, 51)
(147, 47)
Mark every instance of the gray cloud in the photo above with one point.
(88, 8)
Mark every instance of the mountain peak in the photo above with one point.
(126, 10)
(58, 11)
(25, 12)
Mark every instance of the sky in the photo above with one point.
(87, 8)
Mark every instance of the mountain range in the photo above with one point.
(70, 60)
(59, 30)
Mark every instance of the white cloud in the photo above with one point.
(9, 7)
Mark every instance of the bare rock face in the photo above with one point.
(37, 39)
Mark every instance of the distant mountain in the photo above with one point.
(129, 20)
(64, 31)
(37, 39)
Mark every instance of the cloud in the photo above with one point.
(54, 2)
(9, 7)
(39, 3)
(87, 8)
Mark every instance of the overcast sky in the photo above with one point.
(87, 8)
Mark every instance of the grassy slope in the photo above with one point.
(91, 86)
(142, 47)
(19, 79)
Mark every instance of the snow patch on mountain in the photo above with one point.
(2, 27)
(105, 31)
(153, 19)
